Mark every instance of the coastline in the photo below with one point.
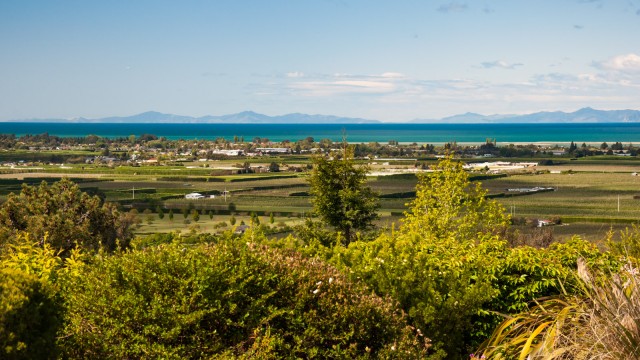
(437, 134)
(524, 143)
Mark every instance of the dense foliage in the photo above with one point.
(448, 205)
(600, 321)
(340, 195)
(227, 300)
(31, 310)
(451, 269)
(435, 287)
(29, 316)
(65, 217)
(180, 301)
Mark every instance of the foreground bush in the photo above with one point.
(29, 317)
(227, 300)
(65, 217)
(451, 269)
(31, 311)
(602, 321)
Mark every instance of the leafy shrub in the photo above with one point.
(600, 321)
(68, 217)
(227, 300)
(450, 268)
(29, 317)
(454, 290)
(30, 309)
(629, 244)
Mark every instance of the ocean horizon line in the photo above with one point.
(432, 133)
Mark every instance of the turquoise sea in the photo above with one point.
(355, 133)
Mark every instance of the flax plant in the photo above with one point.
(601, 322)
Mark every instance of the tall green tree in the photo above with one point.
(450, 267)
(447, 204)
(340, 195)
(65, 217)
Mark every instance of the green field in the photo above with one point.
(591, 196)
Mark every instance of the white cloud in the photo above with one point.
(501, 64)
(391, 95)
(623, 63)
(348, 84)
(342, 87)
(393, 75)
(365, 84)
(295, 74)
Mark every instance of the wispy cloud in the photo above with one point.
(500, 64)
(629, 63)
(401, 96)
(295, 74)
(453, 7)
(578, 27)
(392, 75)
(343, 84)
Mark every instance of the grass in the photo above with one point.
(583, 195)
(587, 200)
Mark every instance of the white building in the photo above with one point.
(273, 150)
(228, 152)
(194, 196)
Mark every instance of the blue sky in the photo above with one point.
(387, 60)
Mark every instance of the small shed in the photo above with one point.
(194, 196)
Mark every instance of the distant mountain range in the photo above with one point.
(245, 117)
(584, 115)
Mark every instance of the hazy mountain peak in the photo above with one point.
(583, 115)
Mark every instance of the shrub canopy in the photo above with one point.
(228, 300)
(65, 217)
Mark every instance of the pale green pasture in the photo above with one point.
(589, 195)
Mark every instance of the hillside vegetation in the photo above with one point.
(439, 286)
